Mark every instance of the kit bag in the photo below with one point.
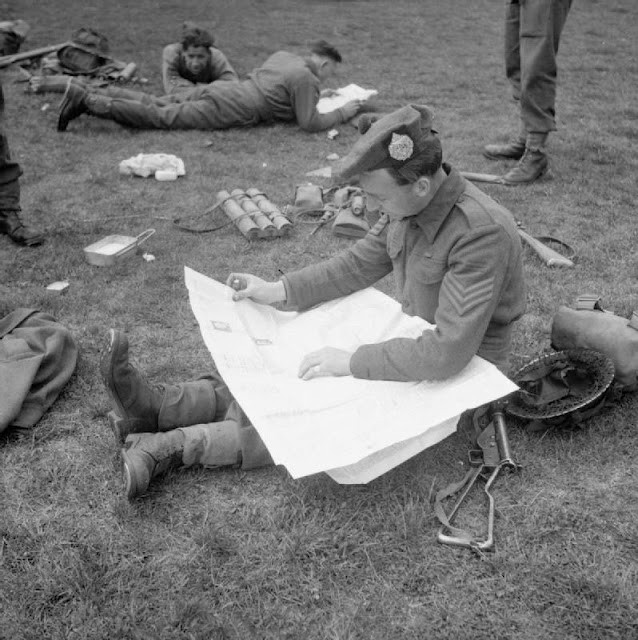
(591, 327)
(12, 35)
(37, 357)
(87, 51)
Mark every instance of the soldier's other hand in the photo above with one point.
(327, 361)
(246, 285)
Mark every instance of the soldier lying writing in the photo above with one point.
(285, 88)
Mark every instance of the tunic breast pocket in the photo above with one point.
(427, 270)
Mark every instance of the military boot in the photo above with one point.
(78, 100)
(530, 167)
(136, 403)
(148, 455)
(73, 105)
(140, 407)
(512, 150)
(12, 226)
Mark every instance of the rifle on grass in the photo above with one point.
(5, 61)
(489, 459)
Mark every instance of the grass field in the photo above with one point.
(232, 555)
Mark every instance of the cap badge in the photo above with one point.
(400, 147)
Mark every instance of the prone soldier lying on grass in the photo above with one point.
(285, 88)
(457, 260)
(194, 61)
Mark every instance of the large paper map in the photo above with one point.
(353, 429)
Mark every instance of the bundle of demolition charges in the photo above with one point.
(254, 214)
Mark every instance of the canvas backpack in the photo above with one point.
(87, 51)
(589, 326)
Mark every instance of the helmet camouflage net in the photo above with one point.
(563, 384)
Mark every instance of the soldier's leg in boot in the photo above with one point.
(219, 444)
(10, 172)
(179, 405)
(541, 23)
(187, 404)
(148, 455)
(197, 114)
(141, 407)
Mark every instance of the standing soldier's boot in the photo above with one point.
(12, 226)
(148, 455)
(512, 150)
(139, 407)
(532, 165)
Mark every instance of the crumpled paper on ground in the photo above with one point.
(146, 164)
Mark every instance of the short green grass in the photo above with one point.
(232, 555)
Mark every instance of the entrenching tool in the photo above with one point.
(492, 456)
(482, 177)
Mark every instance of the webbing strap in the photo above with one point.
(452, 489)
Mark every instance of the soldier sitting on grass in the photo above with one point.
(284, 89)
(457, 261)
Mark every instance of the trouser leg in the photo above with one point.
(10, 221)
(512, 57)
(148, 455)
(113, 91)
(187, 404)
(9, 171)
(226, 443)
(217, 431)
(512, 50)
(196, 114)
(9, 186)
(541, 23)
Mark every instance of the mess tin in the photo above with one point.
(106, 251)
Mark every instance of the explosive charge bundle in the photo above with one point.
(254, 214)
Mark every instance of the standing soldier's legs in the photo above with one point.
(10, 172)
(541, 23)
(515, 147)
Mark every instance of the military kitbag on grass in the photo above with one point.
(591, 327)
(12, 35)
(37, 357)
(86, 53)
